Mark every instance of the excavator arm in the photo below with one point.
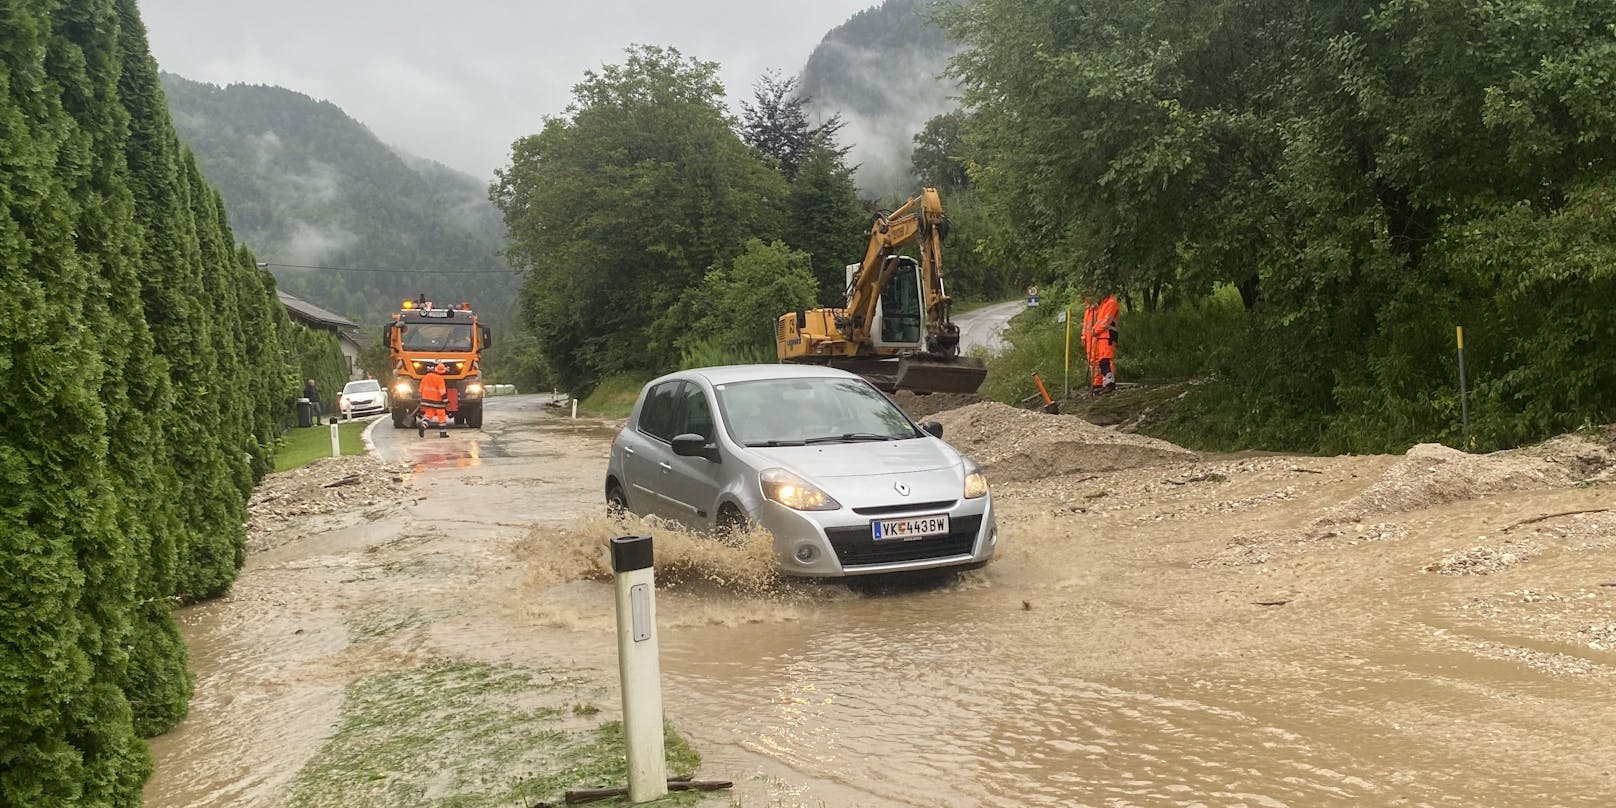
(848, 337)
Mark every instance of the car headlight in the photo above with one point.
(976, 483)
(794, 492)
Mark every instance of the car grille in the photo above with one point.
(913, 507)
(855, 548)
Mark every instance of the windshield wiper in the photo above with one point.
(770, 443)
(849, 437)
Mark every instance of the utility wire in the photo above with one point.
(268, 264)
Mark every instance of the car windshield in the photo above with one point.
(796, 412)
(364, 386)
(437, 337)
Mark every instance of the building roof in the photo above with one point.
(311, 314)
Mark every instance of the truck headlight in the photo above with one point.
(976, 483)
(794, 492)
(402, 388)
(474, 389)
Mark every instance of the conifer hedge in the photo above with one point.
(148, 367)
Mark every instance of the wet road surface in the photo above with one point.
(984, 327)
(1091, 664)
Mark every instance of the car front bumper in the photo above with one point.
(840, 543)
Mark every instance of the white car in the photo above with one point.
(844, 480)
(363, 397)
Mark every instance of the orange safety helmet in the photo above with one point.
(440, 368)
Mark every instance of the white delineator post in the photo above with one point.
(640, 670)
(336, 445)
(575, 408)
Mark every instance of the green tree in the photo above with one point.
(1367, 175)
(618, 207)
(739, 304)
(938, 158)
(776, 124)
(827, 221)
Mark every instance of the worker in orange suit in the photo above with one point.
(1091, 311)
(1103, 337)
(434, 402)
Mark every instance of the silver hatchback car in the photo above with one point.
(845, 481)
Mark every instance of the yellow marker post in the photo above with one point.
(1464, 399)
(1066, 375)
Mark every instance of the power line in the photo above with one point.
(268, 264)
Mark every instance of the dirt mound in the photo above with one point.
(332, 485)
(1014, 444)
(1431, 474)
(923, 407)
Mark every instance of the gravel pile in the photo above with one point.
(1014, 444)
(1486, 560)
(921, 408)
(328, 486)
(1431, 474)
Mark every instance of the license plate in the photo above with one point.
(909, 528)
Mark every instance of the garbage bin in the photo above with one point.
(305, 412)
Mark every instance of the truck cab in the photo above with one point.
(423, 334)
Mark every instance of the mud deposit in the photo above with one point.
(1158, 629)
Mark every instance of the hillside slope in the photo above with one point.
(883, 71)
(308, 185)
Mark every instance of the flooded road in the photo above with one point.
(1187, 635)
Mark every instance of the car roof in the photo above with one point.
(725, 374)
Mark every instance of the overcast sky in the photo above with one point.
(458, 80)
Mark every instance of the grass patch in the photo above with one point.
(466, 735)
(614, 397)
(301, 446)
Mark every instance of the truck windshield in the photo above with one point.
(437, 337)
(810, 410)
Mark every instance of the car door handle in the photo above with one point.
(665, 466)
(628, 450)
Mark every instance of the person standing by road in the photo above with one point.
(311, 391)
(1104, 338)
(434, 402)
(1091, 310)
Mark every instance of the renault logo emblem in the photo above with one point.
(903, 488)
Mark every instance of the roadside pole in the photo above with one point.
(336, 445)
(638, 666)
(1066, 372)
(575, 409)
(1464, 398)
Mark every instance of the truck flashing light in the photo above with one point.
(409, 304)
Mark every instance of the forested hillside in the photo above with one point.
(882, 71)
(1367, 176)
(308, 185)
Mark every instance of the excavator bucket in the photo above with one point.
(962, 374)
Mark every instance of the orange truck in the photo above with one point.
(423, 334)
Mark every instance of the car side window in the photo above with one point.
(660, 414)
(698, 415)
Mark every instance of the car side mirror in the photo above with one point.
(692, 445)
(933, 428)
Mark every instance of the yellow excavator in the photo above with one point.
(895, 330)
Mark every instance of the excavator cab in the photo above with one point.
(900, 314)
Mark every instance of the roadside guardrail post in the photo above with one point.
(639, 667)
(336, 444)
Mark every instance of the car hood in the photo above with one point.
(830, 461)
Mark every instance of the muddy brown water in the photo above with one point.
(1094, 663)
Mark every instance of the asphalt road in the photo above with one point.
(985, 326)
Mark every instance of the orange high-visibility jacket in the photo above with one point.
(1090, 313)
(434, 393)
(1105, 328)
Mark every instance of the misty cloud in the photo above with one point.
(459, 82)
